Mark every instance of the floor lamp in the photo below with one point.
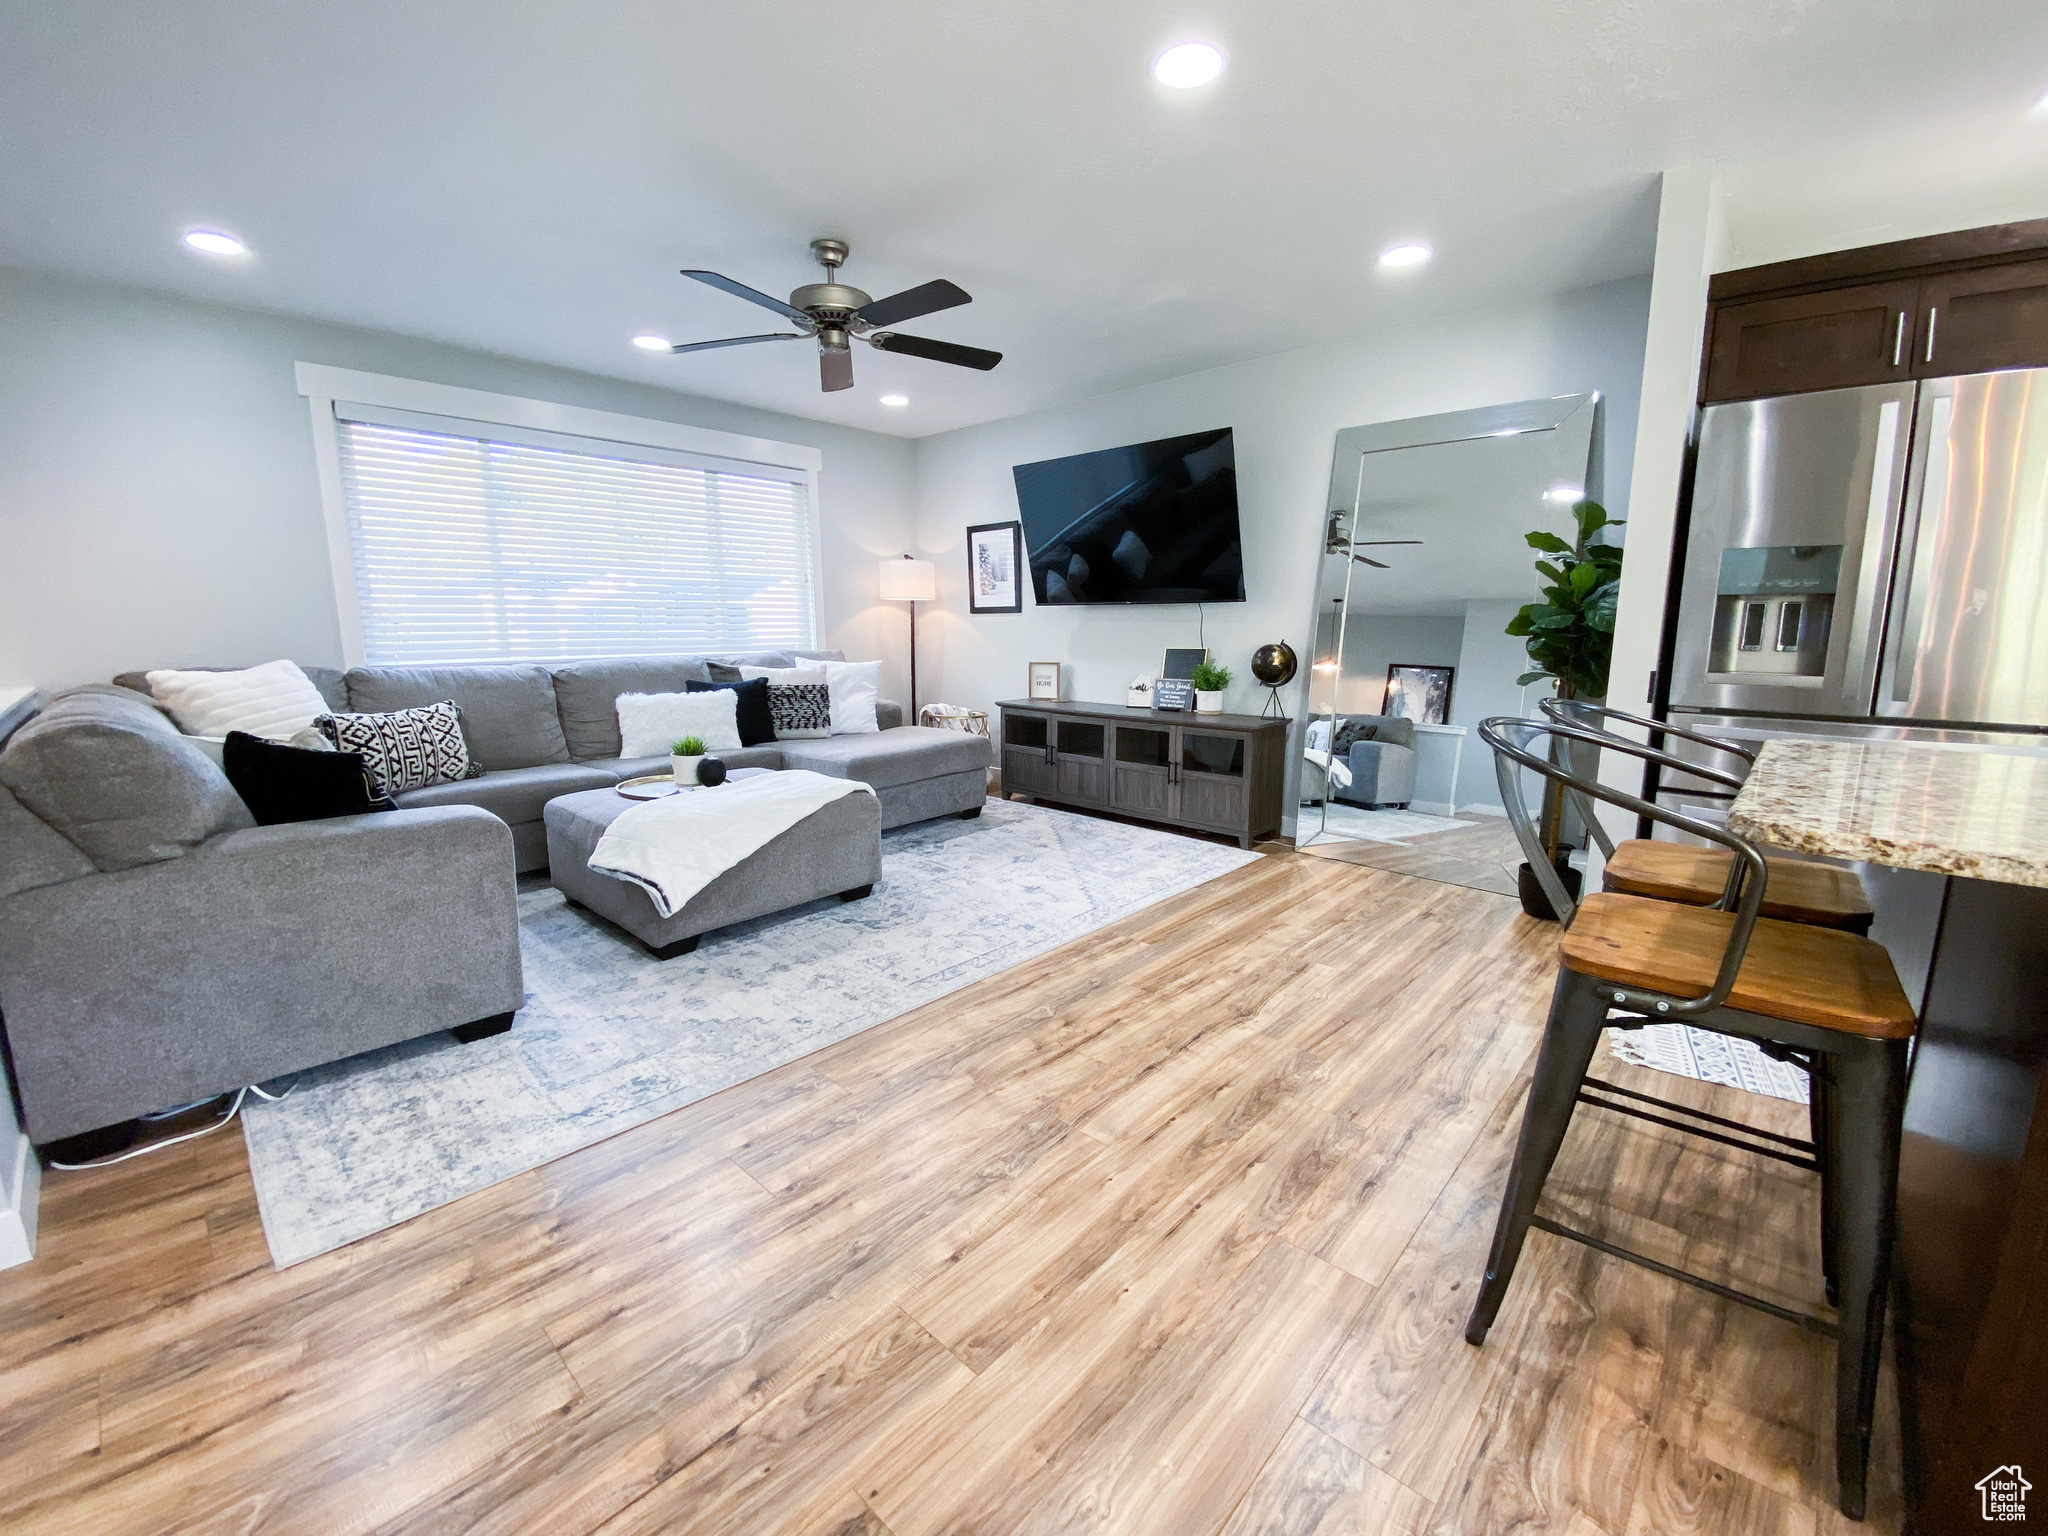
(913, 582)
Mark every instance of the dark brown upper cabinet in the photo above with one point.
(1967, 302)
(1993, 317)
(1861, 335)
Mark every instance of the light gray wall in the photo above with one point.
(1375, 641)
(1286, 411)
(1488, 664)
(158, 503)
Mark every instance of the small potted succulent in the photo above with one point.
(1210, 680)
(684, 756)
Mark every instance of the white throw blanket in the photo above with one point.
(673, 847)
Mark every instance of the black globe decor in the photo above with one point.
(711, 771)
(1275, 666)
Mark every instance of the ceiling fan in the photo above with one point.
(1336, 542)
(836, 314)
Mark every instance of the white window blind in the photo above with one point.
(479, 542)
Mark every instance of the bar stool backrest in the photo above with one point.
(1539, 747)
(1583, 716)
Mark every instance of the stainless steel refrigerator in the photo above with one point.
(1871, 562)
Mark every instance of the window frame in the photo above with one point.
(324, 386)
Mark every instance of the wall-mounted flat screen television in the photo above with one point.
(1152, 523)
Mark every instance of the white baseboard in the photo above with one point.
(1432, 807)
(1481, 810)
(18, 1222)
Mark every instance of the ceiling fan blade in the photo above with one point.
(925, 299)
(1378, 565)
(938, 351)
(737, 341)
(835, 368)
(751, 295)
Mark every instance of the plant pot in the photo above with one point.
(684, 768)
(1209, 703)
(1534, 902)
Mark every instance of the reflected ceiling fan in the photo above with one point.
(1336, 542)
(835, 314)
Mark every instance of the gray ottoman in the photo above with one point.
(834, 851)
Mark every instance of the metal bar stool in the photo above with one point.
(1829, 995)
(1800, 891)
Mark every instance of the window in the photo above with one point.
(474, 540)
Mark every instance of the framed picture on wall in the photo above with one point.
(995, 563)
(1421, 694)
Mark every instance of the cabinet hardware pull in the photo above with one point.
(1899, 339)
(1932, 316)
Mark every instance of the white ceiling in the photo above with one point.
(527, 179)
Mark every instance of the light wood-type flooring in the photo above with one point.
(1482, 854)
(1173, 1229)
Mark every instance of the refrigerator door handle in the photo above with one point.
(1916, 558)
(1866, 615)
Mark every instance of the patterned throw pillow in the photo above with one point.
(406, 749)
(800, 710)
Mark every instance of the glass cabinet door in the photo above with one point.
(1080, 738)
(1027, 731)
(1141, 777)
(1203, 753)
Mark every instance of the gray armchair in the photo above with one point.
(157, 947)
(1374, 761)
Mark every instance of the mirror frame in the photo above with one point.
(1578, 420)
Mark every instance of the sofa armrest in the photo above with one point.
(888, 714)
(1381, 773)
(262, 951)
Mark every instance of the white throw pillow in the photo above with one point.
(855, 685)
(275, 701)
(651, 723)
(814, 672)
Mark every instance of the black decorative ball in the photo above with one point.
(1275, 664)
(711, 771)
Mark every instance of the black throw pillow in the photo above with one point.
(752, 714)
(280, 783)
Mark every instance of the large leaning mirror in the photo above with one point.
(1422, 564)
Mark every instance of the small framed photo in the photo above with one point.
(1419, 693)
(1182, 662)
(1044, 681)
(995, 562)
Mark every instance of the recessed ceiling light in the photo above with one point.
(896, 400)
(215, 243)
(652, 343)
(1188, 64)
(1412, 254)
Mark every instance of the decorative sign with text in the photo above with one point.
(1175, 694)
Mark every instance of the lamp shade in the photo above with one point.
(909, 581)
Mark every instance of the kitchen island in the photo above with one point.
(1973, 1184)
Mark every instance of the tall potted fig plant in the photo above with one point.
(1569, 633)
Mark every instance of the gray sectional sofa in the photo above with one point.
(157, 947)
(543, 731)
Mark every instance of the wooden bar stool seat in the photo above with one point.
(1797, 891)
(1791, 971)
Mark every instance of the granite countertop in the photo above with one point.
(1949, 811)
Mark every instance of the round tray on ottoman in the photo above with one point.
(834, 851)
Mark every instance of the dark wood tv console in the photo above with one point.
(1214, 773)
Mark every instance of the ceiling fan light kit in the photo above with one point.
(836, 315)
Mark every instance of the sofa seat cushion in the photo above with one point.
(513, 795)
(508, 712)
(107, 770)
(733, 757)
(881, 759)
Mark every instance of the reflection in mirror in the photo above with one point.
(1423, 562)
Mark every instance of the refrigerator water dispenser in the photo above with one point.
(1774, 609)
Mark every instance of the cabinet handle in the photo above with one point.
(1899, 340)
(1933, 315)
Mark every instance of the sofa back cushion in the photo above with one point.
(587, 694)
(329, 680)
(508, 711)
(110, 772)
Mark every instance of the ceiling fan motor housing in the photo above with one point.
(830, 304)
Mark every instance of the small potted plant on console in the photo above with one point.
(1210, 680)
(684, 756)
